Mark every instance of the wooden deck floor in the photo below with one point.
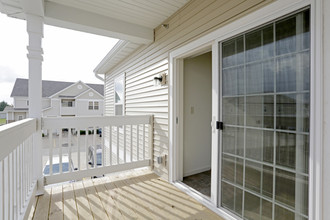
(130, 195)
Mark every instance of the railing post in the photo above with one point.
(151, 141)
(35, 56)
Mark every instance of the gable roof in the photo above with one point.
(97, 87)
(21, 87)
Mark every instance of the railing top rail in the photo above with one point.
(88, 121)
(13, 134)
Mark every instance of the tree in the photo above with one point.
(3, 105)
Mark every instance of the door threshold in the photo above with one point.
(203, 199)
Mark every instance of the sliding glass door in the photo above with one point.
(265, 107)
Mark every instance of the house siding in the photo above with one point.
(72, 90)
(82, 108)
(195, 19)
(20, 102)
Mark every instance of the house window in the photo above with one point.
(265, 110)
(90, 105)
(27, 102)
(68, 102)
(20, 117)
(119, 95)
(93, 105)
(96, 105)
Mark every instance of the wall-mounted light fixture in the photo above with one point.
(160, 80)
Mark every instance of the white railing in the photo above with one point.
(79, 147)
(17, 180)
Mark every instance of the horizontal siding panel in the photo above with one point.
(147, 104)
(147, 99)
(146, 67)
(149, 80)
(150, 89)
(159, 138)
(148, 84)
(195, 19)
(148, 94)
(161, 127)
(159, 120)
(150, 110)
(143, 75)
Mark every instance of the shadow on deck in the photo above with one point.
(127, 195)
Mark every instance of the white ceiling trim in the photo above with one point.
(117, 54)
(35, 7)
(77, 19)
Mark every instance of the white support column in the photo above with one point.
(35, 56)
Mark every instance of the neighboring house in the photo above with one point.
(58, 99)
(3, 115)
(15, 114)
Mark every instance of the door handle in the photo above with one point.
(219, 125)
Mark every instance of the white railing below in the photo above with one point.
(79, 147)
(17, 180)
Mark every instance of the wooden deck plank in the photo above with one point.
(109, 204)
(171, 205)
(33, 208)
(95, 203)
(144, 198)
(43, 205)
(181, 203)
(69, 202)
(138, 204)
(56, 204)
(124, 206)
(83, 207)
(130, 195)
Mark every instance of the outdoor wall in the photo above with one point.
(45, 103)
(197, 114)
(73, 90)
(17, 114)
(82, 108)
(20, 102)
(10, 117)
(90, 94)
(194, 20)
(54, 109)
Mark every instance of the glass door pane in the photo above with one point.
(265, 107)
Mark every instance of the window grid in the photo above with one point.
(119, 95)
(275, 131)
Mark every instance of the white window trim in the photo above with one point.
(121, 76)
(262, 16)
(93, 105)
(98, 105)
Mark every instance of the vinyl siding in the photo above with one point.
(194, 20)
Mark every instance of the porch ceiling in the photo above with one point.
(128, 20)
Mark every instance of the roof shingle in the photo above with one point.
(49, 88)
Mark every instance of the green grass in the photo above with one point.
(2, 121)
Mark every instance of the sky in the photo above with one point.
(68, 55)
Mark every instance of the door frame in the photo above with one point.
(257, 18)
(176, 79)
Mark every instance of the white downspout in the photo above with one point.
(99, 77)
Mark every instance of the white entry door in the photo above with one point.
(265, 109)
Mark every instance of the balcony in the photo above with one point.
(130, 195)
(72, 152)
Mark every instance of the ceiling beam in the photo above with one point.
(80, 20)
(34, 7)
